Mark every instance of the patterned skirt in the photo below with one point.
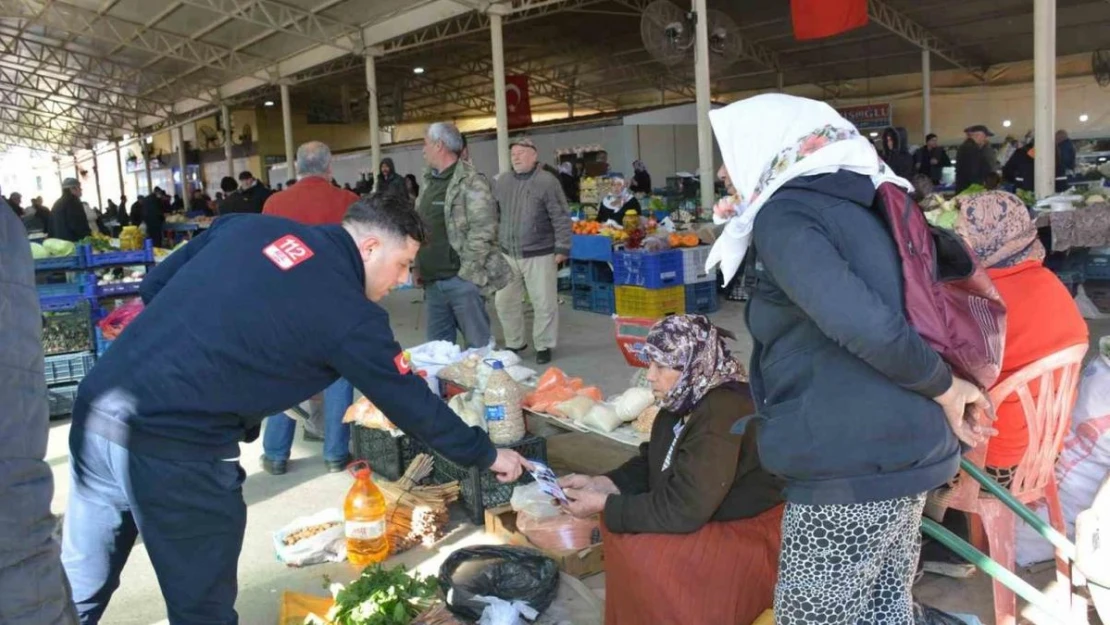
(723, 573)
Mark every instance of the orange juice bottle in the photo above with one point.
(364, 519)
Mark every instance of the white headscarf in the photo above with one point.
(770, 139)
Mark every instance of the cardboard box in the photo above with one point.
(501, 522)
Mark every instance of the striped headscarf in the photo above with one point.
(693, 345)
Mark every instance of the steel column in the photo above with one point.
(926, 91)
(701, 76)
(1044, 95)
(502, 110)
(287, 132)
(375, 124)
(225, 112)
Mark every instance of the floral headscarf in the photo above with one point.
(614, 201)
(998, 227)
(696, 347)
(767, 141)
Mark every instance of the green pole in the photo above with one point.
(1066, 547)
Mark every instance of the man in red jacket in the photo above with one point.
(312, 201)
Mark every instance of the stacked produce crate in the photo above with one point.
(701, 286)
(591, 274)
(649, 284)
(70, 299)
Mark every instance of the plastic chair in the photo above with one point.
(1048, 417)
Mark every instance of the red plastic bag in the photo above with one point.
(119, 318)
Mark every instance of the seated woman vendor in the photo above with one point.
(613, 207)
(692, 524)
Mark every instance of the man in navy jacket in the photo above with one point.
(226, 339)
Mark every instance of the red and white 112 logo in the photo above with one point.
(288, 252)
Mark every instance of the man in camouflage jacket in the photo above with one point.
(460, 265)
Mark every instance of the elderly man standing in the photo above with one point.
(975, 158)
(535, 238)
(460, 264)
(312, 201)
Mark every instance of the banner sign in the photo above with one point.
(867, 116)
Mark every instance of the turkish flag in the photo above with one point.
(516, 100)
(816, 19)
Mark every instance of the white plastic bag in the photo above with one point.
(602, 417)
(531, 499)
(329, 545)
(464, 405)
(632, 402)
(1084, 461)
(501, 612)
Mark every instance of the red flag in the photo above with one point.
(516, 100)
(815, 19)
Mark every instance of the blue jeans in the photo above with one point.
(191, 516)
(277, 441)
(455, 305)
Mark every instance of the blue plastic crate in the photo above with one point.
(68, 367)
(652, 270)
(596, 298)
(61, 399)
(59, 303)
(77, 261)
(1097, 267)
(590, 271)
(118, 288)
(102, 344)
(702, 298)
(591, 247)
(131, 257)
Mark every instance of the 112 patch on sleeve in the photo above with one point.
(288, 252)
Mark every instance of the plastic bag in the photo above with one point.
(500, 612)
(323, 539)
(368, 415)
(463, 405)
(530, 498)
(927, 615)
(632, 402)
(561, 532)
(508, 573)
(602, 417)
(574, 408)
(117, 320)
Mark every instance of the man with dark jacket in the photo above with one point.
(137, 211)
(931, 159)
(154, 215)
(67, 217)
(896, 152)
(158, 421)
(37, 218)
(253, 193)
(535, 239)
(976, 158)
(388, 179)
(15, 200)
(231, 201)
(33, 586)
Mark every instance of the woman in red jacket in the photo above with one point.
(1041, 317)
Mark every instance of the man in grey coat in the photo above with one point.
(33, 586)
(535, 238)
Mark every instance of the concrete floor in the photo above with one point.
(586, 348)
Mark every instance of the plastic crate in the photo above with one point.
(76, 323)
(387, 455)
(590, 271)
(118, 288)
(631, 333)
(102, 344)
(76, 261)
(479, 488)
(61, 399)
(597, 298)
(1097, 267)
(591, 247)
(654, 270)
(701, 299)
(693, 266)
(130, 257)
(634, 301)
(68, 367)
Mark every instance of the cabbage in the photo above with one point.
(59, 247)
(38, 251)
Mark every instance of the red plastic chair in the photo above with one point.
(1048, 417)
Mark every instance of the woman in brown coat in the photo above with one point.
(692, 525)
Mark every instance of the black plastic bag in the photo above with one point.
(928, 615)
(509, 573)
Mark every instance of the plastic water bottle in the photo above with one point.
(504, 419)
(364, 519)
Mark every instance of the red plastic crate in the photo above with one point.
(631, 332)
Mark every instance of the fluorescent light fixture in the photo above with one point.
(1006, 123)
(418, 70)
(873, 134)
(150, 139)
(268, 103)
(1083, 117)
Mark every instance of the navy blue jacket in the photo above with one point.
(229, 336)
(842, 383)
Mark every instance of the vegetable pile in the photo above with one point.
(98, 243)
(66, 332)
(381, 596)
(58, 247)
